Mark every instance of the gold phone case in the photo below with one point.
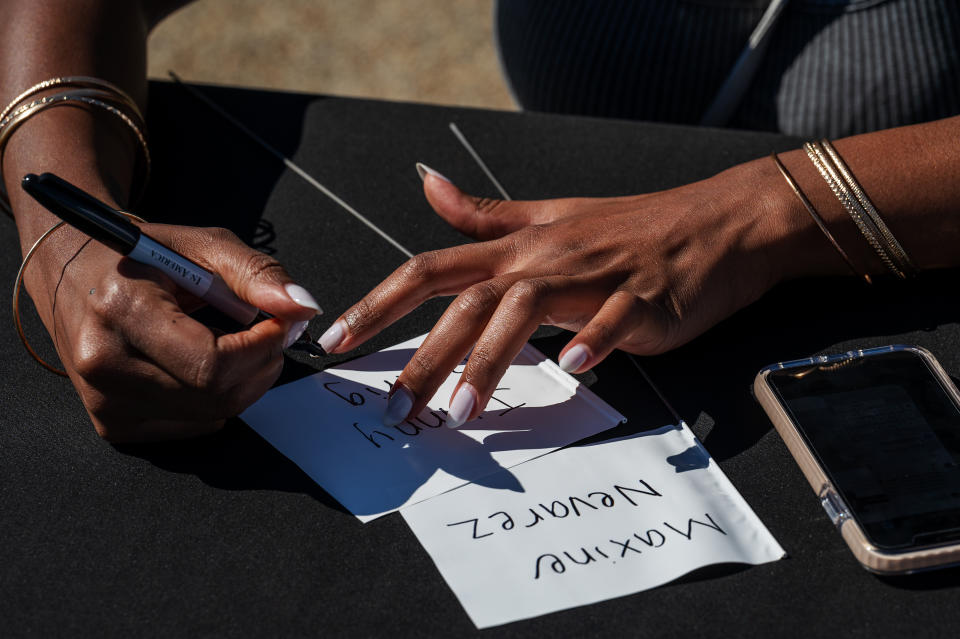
(870, 557)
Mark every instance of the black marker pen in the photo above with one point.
(106, 225)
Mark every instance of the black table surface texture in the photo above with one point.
(223, 536)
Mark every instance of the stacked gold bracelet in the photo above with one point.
(78, 81)
(860, 209)
(817, 219)
(81, 91)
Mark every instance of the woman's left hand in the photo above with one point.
(643, 273)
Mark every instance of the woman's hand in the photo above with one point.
(644, 274)
(144, 369)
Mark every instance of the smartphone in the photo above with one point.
(877, 434)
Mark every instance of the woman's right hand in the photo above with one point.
(644, 273)
(144, 369)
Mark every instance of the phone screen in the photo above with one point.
(888, 435)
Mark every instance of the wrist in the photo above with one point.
(50, 269)
(88, 148)
(788, 237)
(84, 147)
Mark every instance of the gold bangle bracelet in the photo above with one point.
(878, 236)
(850, 205)
(18, 285)
(70, 98)
(92, 89)
(816, 217)
(23, 112)
(893, 246)
(74, 81)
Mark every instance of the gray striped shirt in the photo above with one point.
(833, 67)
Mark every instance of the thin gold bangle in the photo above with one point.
(816, 217)
(893, 246)
(16, 300)
(18, 285)
(80, 96)
(75, 81)
(854, 209)
(110, 93)
(23, 112)
(843, 193)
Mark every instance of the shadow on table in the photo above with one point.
(706, 573)
(208, 173)
(709, 381)
(929, 580)
(235, 458)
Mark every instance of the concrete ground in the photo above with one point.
(437, 51)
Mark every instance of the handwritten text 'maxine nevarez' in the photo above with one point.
(571, 506)
(631, 545)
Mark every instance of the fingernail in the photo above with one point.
(334, 335)
(423, 170)
(300, 295)
(461, 406)
(574, 358)
(398, 406)
(294, 333)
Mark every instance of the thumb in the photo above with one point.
(253, 276)
(479, 217)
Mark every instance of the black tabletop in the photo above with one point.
(223, 536)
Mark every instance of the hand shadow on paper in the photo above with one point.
(392, 463)
(237, 458)
(467, 453)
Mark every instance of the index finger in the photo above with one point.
(422, 277)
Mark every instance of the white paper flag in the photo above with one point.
(589, 523)
(330, 424)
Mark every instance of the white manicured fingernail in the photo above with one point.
(398, 406)
(574, 358)
(300, 295)
(423, 170)
(334, 335)
(461, 406)
(294, 333)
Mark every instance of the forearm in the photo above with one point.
(91, 147)
(41, 40)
